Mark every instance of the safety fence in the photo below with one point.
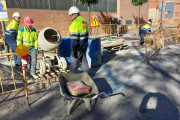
(24, 88)
(157, 40)
(107, 30)
(9, 55)
(6, 47)
(153, 42)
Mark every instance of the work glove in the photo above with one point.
(35, 48)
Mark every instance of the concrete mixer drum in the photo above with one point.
(49, 39)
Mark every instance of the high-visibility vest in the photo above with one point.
(79, 33)
(146, 28)
(12, 28)
(27, 38)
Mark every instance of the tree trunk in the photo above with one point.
(89, 13)
(138, 21)
(138, 15)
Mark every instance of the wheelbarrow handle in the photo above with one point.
(65, 97)
(102, 94)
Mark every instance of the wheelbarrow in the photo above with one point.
(74, 101)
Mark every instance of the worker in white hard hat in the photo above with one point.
(11, 35)
(79, 40)
(143, 31)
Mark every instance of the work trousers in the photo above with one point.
(33, 60)
(142, 36)
(81, 56)
(120, 27)
(12, 45)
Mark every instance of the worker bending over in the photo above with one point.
(143, 31)
(79, 40)
(27, 36)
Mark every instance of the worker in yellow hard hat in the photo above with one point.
(11, 35)
(27, 36)
(79, 40)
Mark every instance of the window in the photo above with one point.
(128, 22)
(169, 10)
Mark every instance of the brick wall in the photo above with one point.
(130, 12)
(57, 19)
(152, 12)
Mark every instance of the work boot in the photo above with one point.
(34, 76)
(142, 43)
(18, 67)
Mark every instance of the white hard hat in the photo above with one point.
(73, 10)
(148, 22)
(16, 14)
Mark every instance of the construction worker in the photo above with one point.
(27, 36)
(143, 31)
(79, 40)
(11, 35)
(120, 25)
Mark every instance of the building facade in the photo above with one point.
(55, 13)
(170, 11)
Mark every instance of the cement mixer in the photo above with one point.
(49, 39)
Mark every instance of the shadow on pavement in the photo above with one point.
(102, 84)
(105, 58)
(161, 109)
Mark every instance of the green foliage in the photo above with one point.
(138, 2)
(92, 2)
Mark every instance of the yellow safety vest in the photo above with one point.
(27, 38)
(79, 33)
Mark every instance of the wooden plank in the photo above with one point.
(112, 44)
(47, 76)
(124, 45)
(52, 74)
(41, 76)
(55, 71)
(117, 47)
(49, 81)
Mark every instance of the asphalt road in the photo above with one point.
(136, 91)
